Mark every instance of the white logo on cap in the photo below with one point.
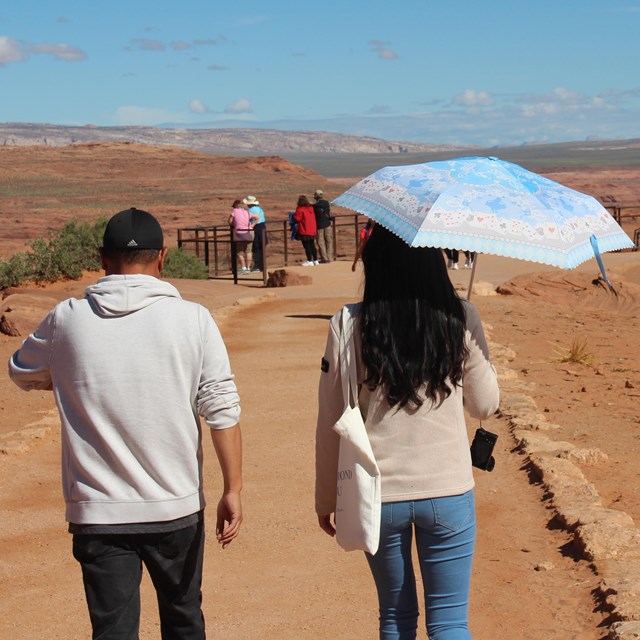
(132, 243)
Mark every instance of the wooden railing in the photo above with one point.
(213, 245)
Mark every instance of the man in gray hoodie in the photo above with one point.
(132, 367)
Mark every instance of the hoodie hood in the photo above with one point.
(120, 295)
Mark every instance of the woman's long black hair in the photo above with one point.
(412, 322)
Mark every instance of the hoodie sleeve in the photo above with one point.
(29, 365)
(480, 382)
(218, 401)
(330, 408)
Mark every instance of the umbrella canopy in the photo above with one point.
(489, 206)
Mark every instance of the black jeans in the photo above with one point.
(309, 248)
(259, 230)
(112, 570)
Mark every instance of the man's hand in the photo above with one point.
(228, 446)
(326, 526)
(228, 518)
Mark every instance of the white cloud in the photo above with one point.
(387, 54)
(379, 109)
(488, 119)
(241, 105)
(540, 109)
(619, 97)
(210, 42)
(380, 47)
(564, 95)
(178, 45)
(146, 44)
(64, 52)
(561, 101)
(558, 96)
(11, 51)
(143, 116)
(197, 106)
(472, 98)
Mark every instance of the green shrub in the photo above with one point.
(184, 265)
(70, 251)
(75, 248)
(15, 270)
(42, 267)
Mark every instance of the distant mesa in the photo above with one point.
(226, 141)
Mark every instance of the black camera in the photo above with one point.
(482, 448)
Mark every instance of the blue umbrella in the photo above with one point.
(490, 206)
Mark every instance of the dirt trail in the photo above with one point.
(284, 578)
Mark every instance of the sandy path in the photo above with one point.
(283, 578)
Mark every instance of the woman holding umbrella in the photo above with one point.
(422, 359)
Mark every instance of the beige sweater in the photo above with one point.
(421, 453)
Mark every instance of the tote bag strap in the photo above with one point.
(348, 360)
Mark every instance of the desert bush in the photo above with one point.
(183, 265)
(15, 270)
(75, 248)
(42, 267)
(66, 255)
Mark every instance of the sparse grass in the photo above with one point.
(183, 265)
(578, 352)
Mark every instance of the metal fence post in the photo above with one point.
(234, 256)
(264, 256)
(215, 250)
(285, 243)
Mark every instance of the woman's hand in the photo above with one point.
(326, 526)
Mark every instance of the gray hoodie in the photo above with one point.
(132, 367)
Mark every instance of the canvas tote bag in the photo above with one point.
(358, 495)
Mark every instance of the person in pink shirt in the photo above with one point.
(242, 222)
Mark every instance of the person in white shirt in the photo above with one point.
(132, 367)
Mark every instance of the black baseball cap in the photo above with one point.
(133, 229)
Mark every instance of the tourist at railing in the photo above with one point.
(307, 230)
(259, 232)
(322, 209)
(242, 222)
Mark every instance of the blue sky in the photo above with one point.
(454, 72)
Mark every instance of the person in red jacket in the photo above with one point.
(307, 230)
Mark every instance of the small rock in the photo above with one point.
(627, 630)
(8, 327)
(284, 278)
(628, 385)
(544, 566)
(591, 456)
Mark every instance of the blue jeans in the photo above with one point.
(445, 530)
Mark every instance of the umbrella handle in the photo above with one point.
(473, 275)
(596, 251)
